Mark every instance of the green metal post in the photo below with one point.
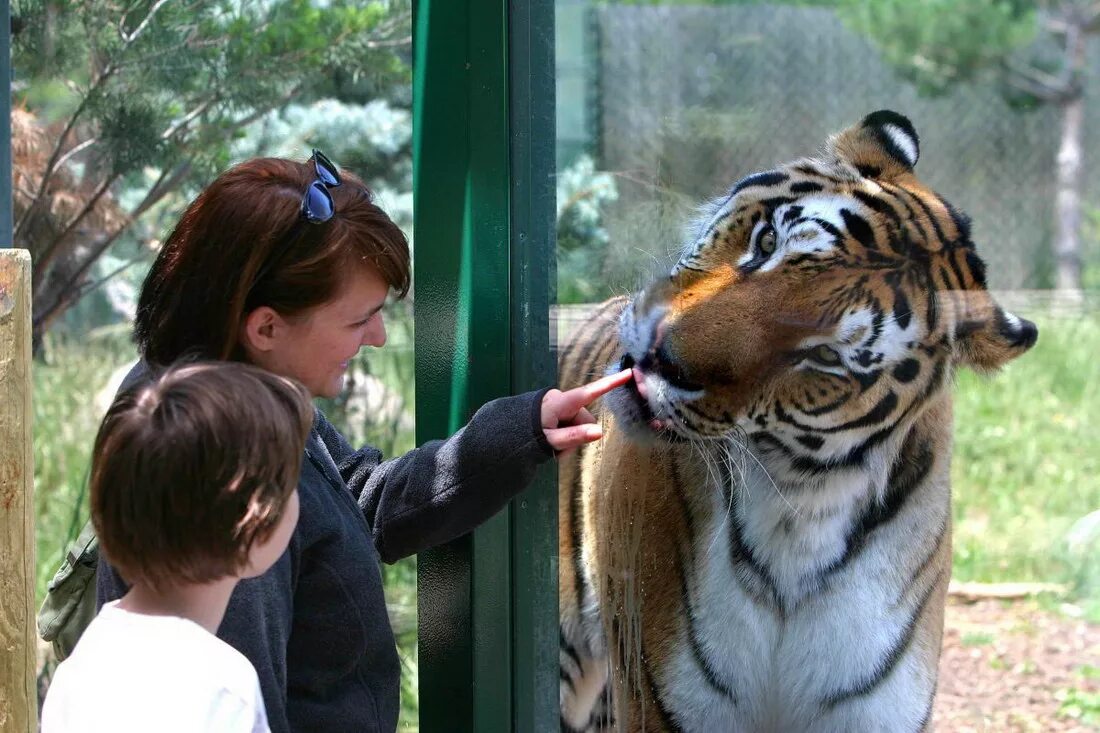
(535, 514)
(484, 206)
(5, 126)
(462, 343)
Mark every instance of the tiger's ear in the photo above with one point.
(986, 335)
(883, 145)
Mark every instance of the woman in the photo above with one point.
(287, 266)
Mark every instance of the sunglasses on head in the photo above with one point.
(317, 208)
(317, 205)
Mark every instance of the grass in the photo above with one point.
(1026, 467)
(66, 418)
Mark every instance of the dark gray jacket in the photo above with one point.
(315, 625)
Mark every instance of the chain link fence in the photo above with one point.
(681, 101)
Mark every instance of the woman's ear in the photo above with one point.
(259, 330)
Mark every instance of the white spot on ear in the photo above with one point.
(1013, 321)
(906, 144)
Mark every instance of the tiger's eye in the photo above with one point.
(825, 355)
(767, 241)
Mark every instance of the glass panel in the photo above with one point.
(132, 109)
(663, 107)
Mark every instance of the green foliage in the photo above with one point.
(1090, 249)
(169, 87)
(582, 241)
(1079, 705)
(936, 43)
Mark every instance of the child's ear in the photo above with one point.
(987, 336)
(883, 145)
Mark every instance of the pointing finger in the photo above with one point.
(576, 398)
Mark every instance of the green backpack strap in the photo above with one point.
(70, 597)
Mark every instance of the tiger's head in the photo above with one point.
(818, 304)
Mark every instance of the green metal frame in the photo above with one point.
(483, 206)
(6, 221)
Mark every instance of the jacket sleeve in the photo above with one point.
(444, 488)
(256, 623)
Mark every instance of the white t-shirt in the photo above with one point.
(133, 673)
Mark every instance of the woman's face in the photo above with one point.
(315, 348)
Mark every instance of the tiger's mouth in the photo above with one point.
(641, 412)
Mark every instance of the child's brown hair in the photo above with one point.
(190, 470)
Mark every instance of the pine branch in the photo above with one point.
(93, 286)
(76, 149)
(44, 260)
(52, 164)
(131, 37)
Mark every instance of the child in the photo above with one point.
(193, 487)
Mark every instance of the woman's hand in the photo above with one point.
(566, 422)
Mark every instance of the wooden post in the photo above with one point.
(18, 694)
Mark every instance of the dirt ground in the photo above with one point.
(1007, 667)
(1013, 667)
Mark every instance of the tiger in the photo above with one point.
(762, 539)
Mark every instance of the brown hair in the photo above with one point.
(190, 470)
(242, 244)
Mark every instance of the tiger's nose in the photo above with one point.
(659, 359)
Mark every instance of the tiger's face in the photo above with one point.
(818, 303)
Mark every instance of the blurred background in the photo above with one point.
(121, 113)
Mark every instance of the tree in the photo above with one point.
(124, 104)
(1038, 49)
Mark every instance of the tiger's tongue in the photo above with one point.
(639, 382)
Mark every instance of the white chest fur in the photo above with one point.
(806, 622)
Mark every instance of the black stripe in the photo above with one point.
(580, 581)
(813, 442)
(887, 665)
(902, 309)
(709, 674)
(667, 721)
(952, 260)
(589, 339)
(867, 379)
(878, 206)
(907, 371)
(806, 187)
(904, 197)
(940, 535)
(564, 676)
(940, 236)
(923, 725)
(792, 214)
(742, 559)
(775, 202)
(726, 418)
(976, 265)
(961, 220)
(769, 178)
(818, 411)
(568, 648)
(869, 171)
(910, 469)
(859, 228)
(875, 415)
